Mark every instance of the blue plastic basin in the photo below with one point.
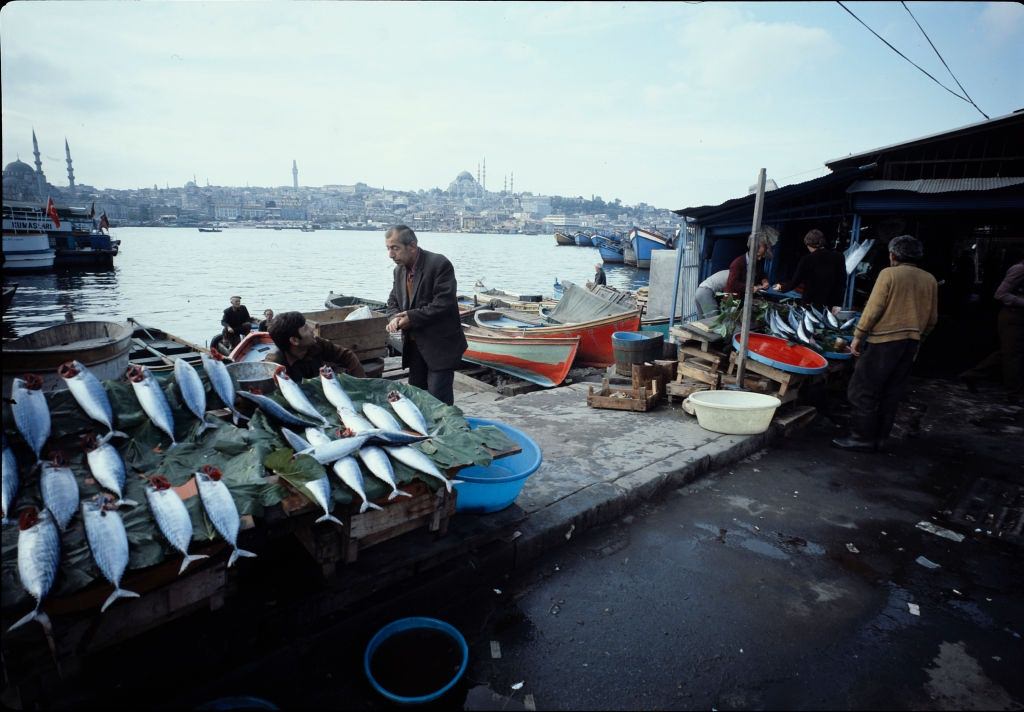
(630, 336)
(492, 488)
(406, 624)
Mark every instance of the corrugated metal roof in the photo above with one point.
(935, 185)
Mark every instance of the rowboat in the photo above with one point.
(157, 350)
(611, 250)
(337, 301)
(255, 346)
(644, 242)
(544, 361)
(595, 336)
(562, 239)
(101, 345)
(583, 240)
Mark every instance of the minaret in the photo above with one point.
(71, 171)
(504, 185)
(478, 173)
(295, 175)
(39, 166)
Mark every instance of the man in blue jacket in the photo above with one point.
(423, 305)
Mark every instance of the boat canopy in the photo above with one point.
(580, 305)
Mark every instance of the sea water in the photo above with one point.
(180, 280)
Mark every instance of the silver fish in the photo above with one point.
(60, 491)
(107, 467)
(152, 400)
(379, 465)
(354, 421)
(793, 318)
(831, 319)
(38, 559)
(786, 330)
(172, 517)
(296, 397)
(222, 384)
(10, 482)
(380, 417)
(771, 322)
(848, 323)
(275, 410)
(192, 391)
(220, 507)
(808, 323)
(418, 461)
(395, 437)
(90, 395)
(335, 449)
(349, 472)
(408, 412)
(108, 542)
(801, 333)
(321, 491)
(297, 442)
(31, 412)
(333, 390)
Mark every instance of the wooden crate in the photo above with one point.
(367, 337)
(635, 399)
(782, 384)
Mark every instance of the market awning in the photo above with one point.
(936, 185)
(938, 195)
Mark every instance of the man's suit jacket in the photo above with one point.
(433, 310)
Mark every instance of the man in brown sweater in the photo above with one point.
(901, 311)
(302, 353)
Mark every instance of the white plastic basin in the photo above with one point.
(734, 412)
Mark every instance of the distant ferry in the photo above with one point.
(210, 229)
(76, 243)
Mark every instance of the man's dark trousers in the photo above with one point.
(879, 382)
(440, 384)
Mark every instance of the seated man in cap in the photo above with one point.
(901, 310)
(302, 354)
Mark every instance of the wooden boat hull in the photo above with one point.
(611, 255)
(628, 254)
(101, 345)
(256, 346)
(563, 239)
(595, 336)
(583, 240)
(157, 350)
(644, 243)
(544, 361)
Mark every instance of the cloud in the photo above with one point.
(1001, 21)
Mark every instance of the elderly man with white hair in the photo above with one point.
(901, 310)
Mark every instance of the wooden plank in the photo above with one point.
(698, 373)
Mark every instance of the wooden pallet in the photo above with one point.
(634, 399)
(782, 384)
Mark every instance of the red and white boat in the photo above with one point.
(544, 361)
(256, 346)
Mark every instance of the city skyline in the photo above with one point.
(665, 104)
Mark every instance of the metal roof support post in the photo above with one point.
(854, 241)
(748, 292)
(675, 282)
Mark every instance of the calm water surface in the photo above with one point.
(179, 279)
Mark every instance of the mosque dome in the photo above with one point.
(19, 169)
(464, 185)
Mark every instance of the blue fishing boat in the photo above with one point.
(644, 242)
(611, 249)
(583, 240)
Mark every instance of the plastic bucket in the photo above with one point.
(408, 626)
(492, 488)
(635, 347)
(734, 412)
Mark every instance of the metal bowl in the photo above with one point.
(254, 375)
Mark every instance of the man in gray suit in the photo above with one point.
(424, 306)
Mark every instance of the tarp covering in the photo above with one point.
(242, 454)
(578, 305)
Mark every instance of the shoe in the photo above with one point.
(852, 442)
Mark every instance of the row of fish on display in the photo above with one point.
(39, 535)
(375, 439)
(802, 324)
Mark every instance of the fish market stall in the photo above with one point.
(150, 494)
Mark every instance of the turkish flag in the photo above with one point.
(51, 210)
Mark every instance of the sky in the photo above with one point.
(671, 104)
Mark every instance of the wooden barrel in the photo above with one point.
(103, 346)
(635, 347)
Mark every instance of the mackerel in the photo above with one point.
(297, 442)
(321, 491)
(380, 466)
(276, 411)
(221, 381)
(108, 542)
(60, 490)
(793, 318)
(220, 507)
(90, 395)
(192, 391)
(335, 449)
(354, 421)
(31, 412)
(418, 460)
(848, 323)
(333, 390)
(172, 517)
(408, 412)
(152, 399)
(296, 397)
(38, 559)
(831, 319)
(106, 466)
(10, 483)
(380, 417)
(349, 472)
